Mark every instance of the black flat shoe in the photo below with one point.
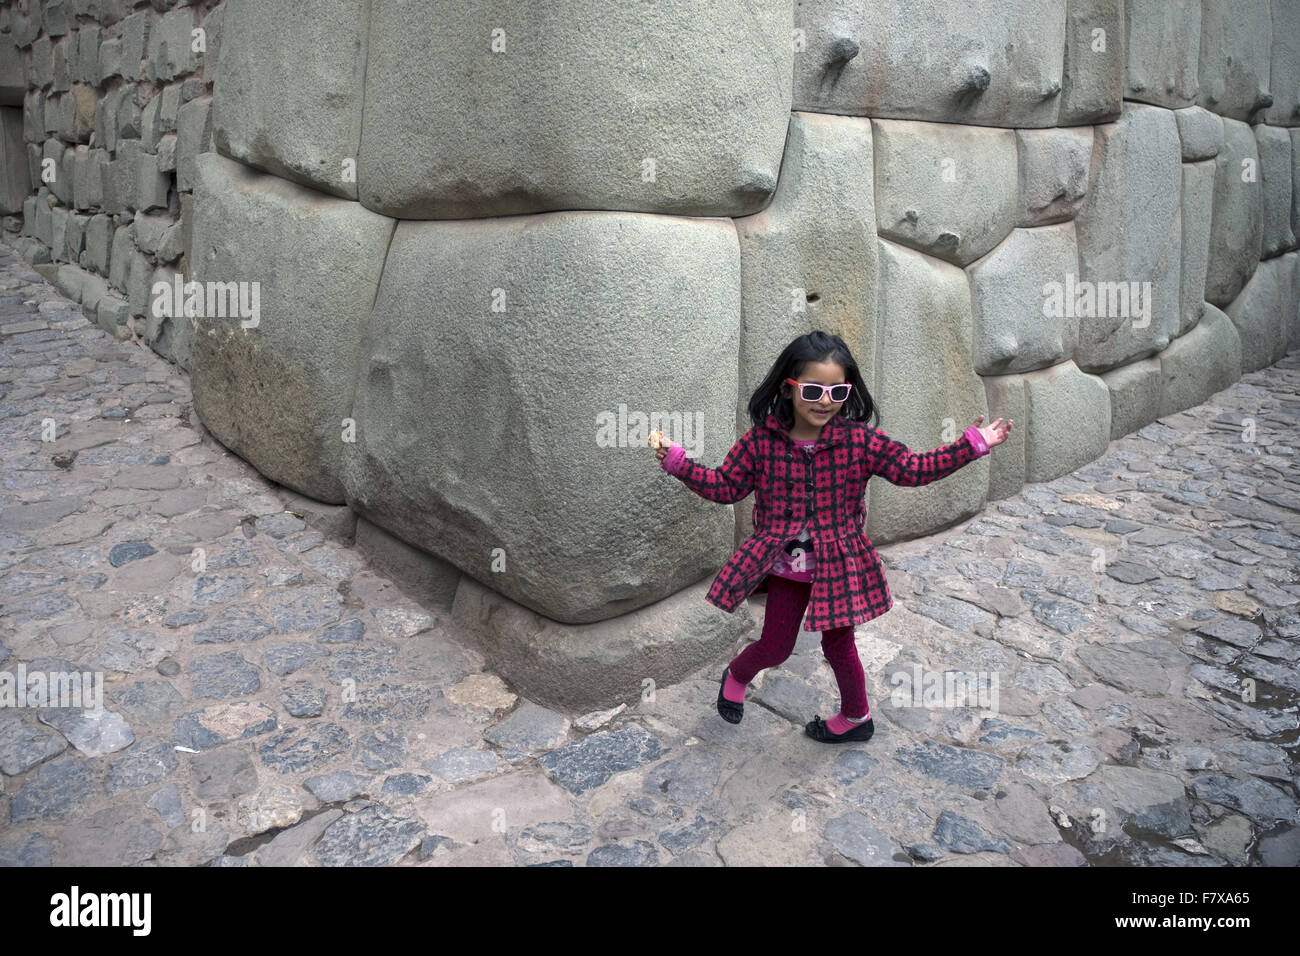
(817, 730)
(731, 711)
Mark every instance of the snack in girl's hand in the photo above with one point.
(670, 455)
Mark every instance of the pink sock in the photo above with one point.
(733, 689)
(839, 723)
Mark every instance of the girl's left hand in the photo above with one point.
(996, 433)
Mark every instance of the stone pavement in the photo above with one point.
(1121, 646)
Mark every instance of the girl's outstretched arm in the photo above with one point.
(899, 465)
(727, 484)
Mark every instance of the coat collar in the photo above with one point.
(834, 432)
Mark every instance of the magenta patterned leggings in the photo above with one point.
(786, 601)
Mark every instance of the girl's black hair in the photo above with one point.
(815, 346)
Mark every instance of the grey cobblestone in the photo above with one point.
(1122, 614)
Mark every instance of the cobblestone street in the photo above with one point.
(1133, 630)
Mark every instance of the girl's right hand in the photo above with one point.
(662, 451)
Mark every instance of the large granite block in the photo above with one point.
(1237, 226)
(1284, 65)
(1275, 184)
(491, 108)
(1134, 395)
(508, 361)
(1130, 241)
(927, 390)
(1264, 312)
(946, 190)
(309, 130)
(1023, 320)
(1163, 53)
(585, 667)
(316, 262)
(1006, 400)
(1054, 166)
(1069, 421)
(982, 63)
(1197, 212)
(1234, 64)
(1093, 82)
(15, 178)
(1196, 365)
(1200, 131)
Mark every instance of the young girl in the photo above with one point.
(807, 460)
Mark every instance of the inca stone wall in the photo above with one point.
(489, 245)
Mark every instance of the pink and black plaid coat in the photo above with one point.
(827, 490)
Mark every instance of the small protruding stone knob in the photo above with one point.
(843, 50)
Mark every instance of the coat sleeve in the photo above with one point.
(729, 483)
(899, 465)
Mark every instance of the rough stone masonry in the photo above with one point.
(286, 703)
(744, 184)
(470, 231)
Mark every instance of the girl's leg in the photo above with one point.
(786, 601)
(842, 653)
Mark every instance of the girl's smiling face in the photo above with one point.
(809, 417)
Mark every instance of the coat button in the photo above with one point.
(789, 457)
(787, 512)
